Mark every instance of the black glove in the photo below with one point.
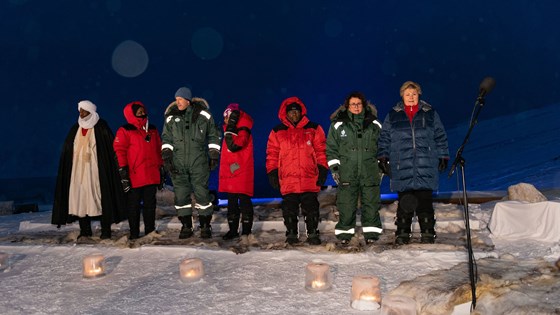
(384, 166)
(273, 179)
(233, 120)
(442, 165)
(161, 177)
(125, 179)
(167, 156)
(214, 158)
(323, 171)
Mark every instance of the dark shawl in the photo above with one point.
(112, 195)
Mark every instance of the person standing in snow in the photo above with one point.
(412, 149)
(237, 172)
(190, 150)
(352, 159)
(88, 183)
(296, 164)
(138, 148)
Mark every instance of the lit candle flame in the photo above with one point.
(317, 284)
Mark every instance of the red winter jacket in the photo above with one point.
(139, 149)
(296, 151)
(237, 168)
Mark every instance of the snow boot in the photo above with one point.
(403, 233)
(247, 224)
(85, 227)
(427, 231)
(205, 227)
(312, 224)
(291, 224)
(186, 229)
(105, 231)
(233, 223)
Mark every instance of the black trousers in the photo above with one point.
(419, 202)
(308, 201)
(142, 200)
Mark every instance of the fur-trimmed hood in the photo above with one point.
(337, 115)
(197, 102)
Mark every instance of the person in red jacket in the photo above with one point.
(296, 163)
(236, 177)
(138, 148)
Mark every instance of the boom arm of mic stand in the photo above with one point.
(459, 156)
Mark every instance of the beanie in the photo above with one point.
(87, 105)
(184, 92)
(293, 106)
(231, 107)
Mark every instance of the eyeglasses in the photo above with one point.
(356, 104)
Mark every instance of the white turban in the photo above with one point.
(90, 120)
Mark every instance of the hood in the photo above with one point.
(282, 111)
(196, 101)
(342, 109)
(139, 123)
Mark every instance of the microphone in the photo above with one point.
(486, 86)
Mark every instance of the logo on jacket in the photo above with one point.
(309, 142)
(177, 119)
(343, 133)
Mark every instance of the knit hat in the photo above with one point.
(293, 106)
(87, 105)
(231, 107)
(184, 92)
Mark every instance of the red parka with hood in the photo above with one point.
(138, 146)
(237, 163)
(296, 151)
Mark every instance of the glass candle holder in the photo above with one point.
(191, 270)
(93, 266)
(366, 294)
(318, 277)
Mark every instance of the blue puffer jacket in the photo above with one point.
(413, 149)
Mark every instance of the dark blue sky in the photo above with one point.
(256, 53)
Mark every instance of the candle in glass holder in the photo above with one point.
(94, 266)
(191, 269)
(318, 277)
(366, 294)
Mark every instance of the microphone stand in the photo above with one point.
(460, 161)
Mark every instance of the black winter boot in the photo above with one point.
(428, 233)
(85, 227)
(233, 223)
(105, 231)
(205, 227)
(403, 233)
(247, 224)
(186, 229)
(312, 226)
(291, 224)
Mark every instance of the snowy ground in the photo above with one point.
(44, 275)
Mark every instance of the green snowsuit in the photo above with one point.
(352, 153)
(191, 134)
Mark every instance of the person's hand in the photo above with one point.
(323, 171)
(384, 166)
(442, 165)
(273, 179)
(214, 159)
(334, 173)
(167, 156)
(125, 179)
(232, 122)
